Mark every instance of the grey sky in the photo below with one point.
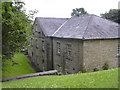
(63, 8)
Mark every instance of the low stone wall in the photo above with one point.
(46, 73)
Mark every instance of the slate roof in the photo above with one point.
(87, 27)
(50, 25)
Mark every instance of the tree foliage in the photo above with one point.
(113, 15)
(78, 12)
(15, 28)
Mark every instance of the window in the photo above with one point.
(73, 68)
(119, 49)
(37, 43)
(32, 53)
(58, 48)
(43, 45)
(31, 42)
(39, 34)
(69, 51)
(43, 61)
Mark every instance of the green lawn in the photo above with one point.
(23, 67)
(100, 79)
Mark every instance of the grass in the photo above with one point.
(22, 67)
(100, 79)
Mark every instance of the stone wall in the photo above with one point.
(40, 50)
(69, 59)
(49, 50)
(98, 52)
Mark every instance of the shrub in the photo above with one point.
(105, 66)
(83, 70)
(95, 69)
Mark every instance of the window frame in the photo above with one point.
(58, 48)
(118, 49)
(69, 51)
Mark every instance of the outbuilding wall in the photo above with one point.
(40, 51)
(67, 64)
(98, 52)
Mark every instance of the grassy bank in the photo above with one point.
(20, 67)
(100, 79)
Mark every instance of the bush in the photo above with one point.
(83, 70)
(95, 69)
(105, 66)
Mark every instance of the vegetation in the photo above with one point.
(84, 70)
(100, 79)
(78, 12)
(95, 69)
(105, 66)
(21, 66)
(15, 28)
(113, 15)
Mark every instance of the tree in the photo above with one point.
(113, 15)
(15, 28)
(78, 12)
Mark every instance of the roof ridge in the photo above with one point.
(87, 26)
(60, 27)
(105, 19)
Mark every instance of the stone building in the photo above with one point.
(72, 44)
(41, 50)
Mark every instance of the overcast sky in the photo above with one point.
(63, 8)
